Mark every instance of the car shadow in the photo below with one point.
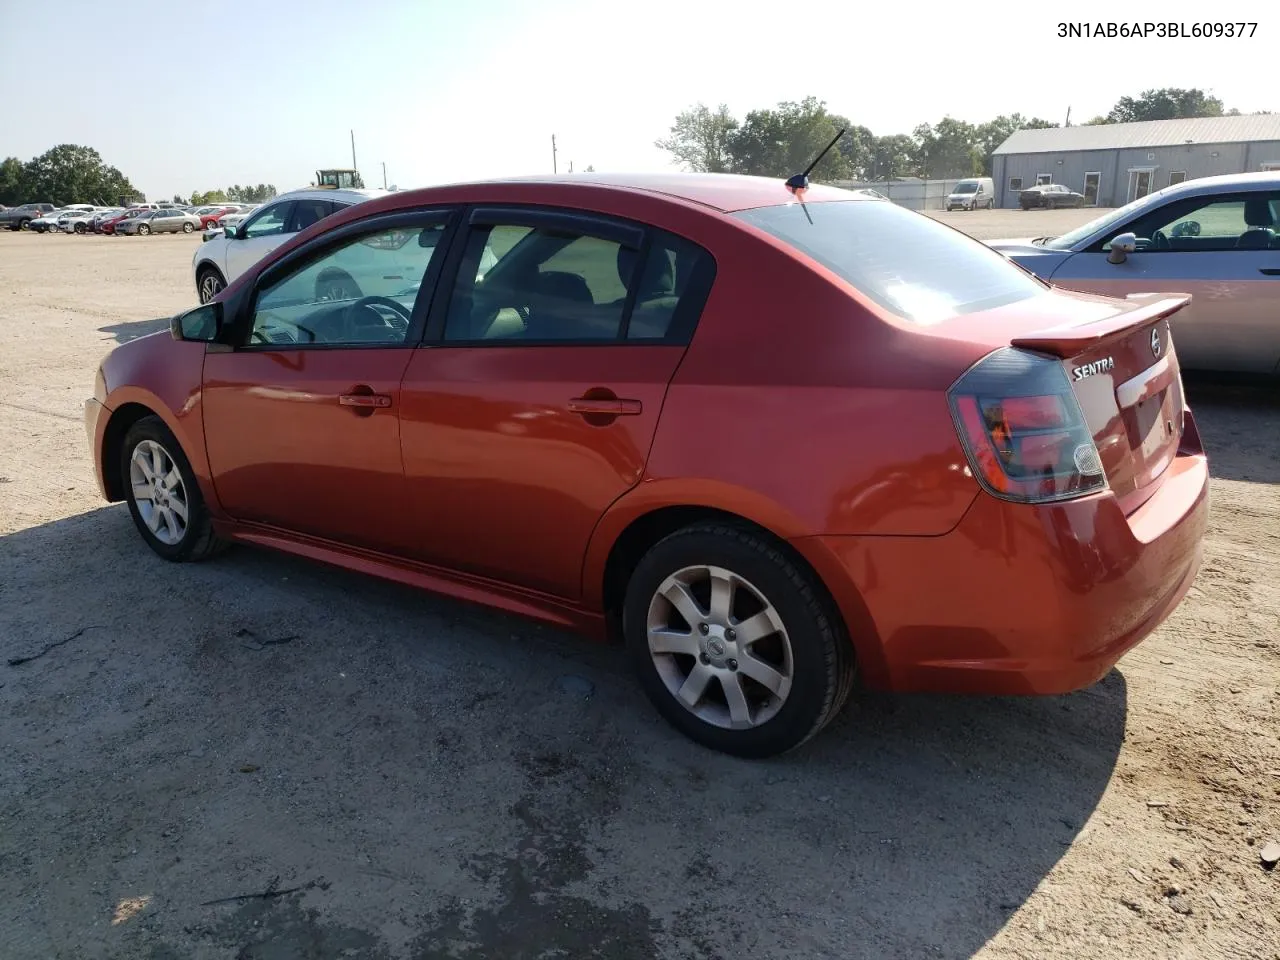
(133, 329)
(1239, 423)
(483, 780)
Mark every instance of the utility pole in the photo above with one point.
(553, 154)
(571, 166)
(1068, 123)
(384, 174)
(353, 151)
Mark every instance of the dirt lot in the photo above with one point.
(411, 778)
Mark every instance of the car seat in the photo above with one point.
(1260, 235)
(562, 308)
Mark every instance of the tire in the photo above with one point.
(157, 517)
(209, 283)
(24, 224)
(796, 632)
(187, 227)
(143, 230)
(81, 229)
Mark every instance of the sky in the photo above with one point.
(187, 95)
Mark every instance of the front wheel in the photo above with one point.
(143, 230)
(187, 227)
(164, 498)
(209, 284)
(81, 228)
(734, 643)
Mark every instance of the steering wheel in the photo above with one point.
(369, 305)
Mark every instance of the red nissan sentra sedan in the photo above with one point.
(774, 442)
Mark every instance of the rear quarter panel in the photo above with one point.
(796, 394)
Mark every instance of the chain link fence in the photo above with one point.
(913, 194)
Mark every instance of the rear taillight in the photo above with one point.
(1023, 431)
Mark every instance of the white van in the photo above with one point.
(973, 193)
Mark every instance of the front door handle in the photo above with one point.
(1269, 271)
(366, 401)
(605, 407)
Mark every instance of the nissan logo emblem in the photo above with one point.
(1155, 343)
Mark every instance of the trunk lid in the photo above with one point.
(1124, 373)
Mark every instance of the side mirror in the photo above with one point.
(230, 232)
(1121, 246)
(201, 325)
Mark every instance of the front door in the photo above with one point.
(1224, 250)
(257, 236)
(534, 407)
(1091, 181)
(1139, 184)
(302, 422)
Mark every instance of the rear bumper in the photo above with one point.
(1019, 599)
(95, 425)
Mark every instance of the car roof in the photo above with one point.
(1267, 179)
(720, 191)
(314, 193)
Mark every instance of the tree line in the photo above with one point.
(784, 140)
(68, 173)
(71, 173)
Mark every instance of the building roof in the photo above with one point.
(1150, 133)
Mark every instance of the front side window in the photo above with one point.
(1231, 222)
(271, 220)
(359, 293)
(909, 264)
(523, 284)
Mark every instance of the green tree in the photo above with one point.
(70, 173)
(783, 141)
(13, 176)
(995, 132)
(859, 146)
(199, 199)
(891, 157)
(950, 149)
(250, 194)
(1167, 103)
(699, 139)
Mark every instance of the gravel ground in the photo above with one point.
(260, 757)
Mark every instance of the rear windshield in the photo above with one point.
(907, 263)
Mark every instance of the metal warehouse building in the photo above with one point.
(1114, 163)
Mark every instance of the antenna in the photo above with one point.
(353, 151)
(553, 154)
(799, 183)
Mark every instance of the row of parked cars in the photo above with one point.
(138, 218)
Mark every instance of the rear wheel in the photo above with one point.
(164, 498)
(733, 641)
(24, 224)
(187, 227)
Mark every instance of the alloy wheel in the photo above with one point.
(720, 647)
(210, 286)
(159, 493)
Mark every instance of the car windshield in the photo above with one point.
(966, 186)
(907, 263)
(1106, 220)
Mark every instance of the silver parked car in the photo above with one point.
(169, 220)
(1216, 238)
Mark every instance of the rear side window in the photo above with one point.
(907, 263)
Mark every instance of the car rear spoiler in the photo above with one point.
(1072, 340)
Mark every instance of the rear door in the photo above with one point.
(534, 403)
(1224, 250)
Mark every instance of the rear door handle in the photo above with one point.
(365, 400)
(608, 407)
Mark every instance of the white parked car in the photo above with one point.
(53, 222)
(83, 222)
(229, 251)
